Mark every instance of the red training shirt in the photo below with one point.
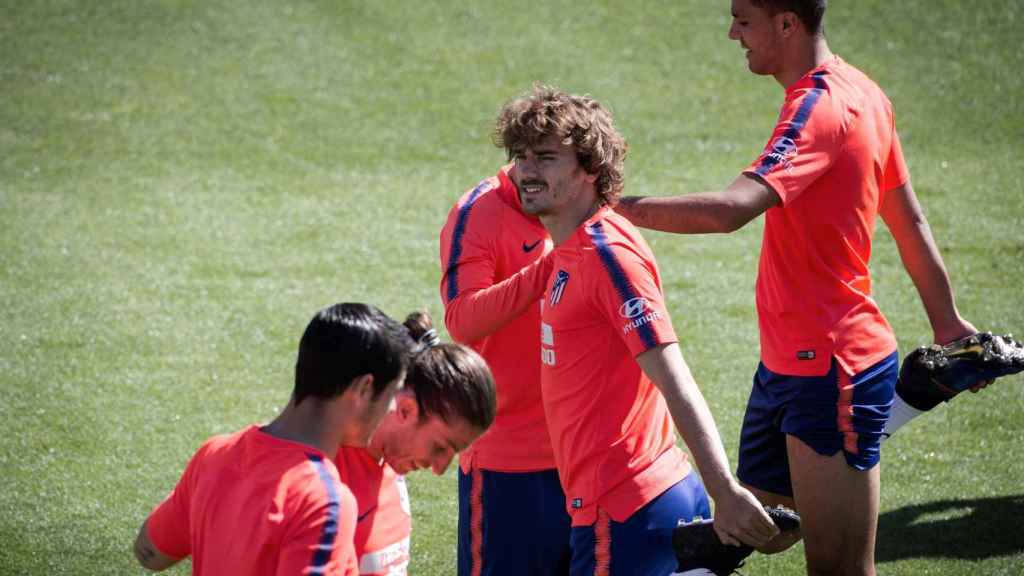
(493, 265)
(384, 520)
(252, 504)
(831, 158)
(612, 432)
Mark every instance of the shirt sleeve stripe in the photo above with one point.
(619, 278)
(329, 536)
(798, 122)
(460, 230)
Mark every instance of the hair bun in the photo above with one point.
(429, 339)
(421, 328)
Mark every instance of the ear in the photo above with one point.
(407, 408)
(787, 23)
(362, 387)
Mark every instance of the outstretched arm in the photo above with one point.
(703, 212)
(903, 215)
(739, 517)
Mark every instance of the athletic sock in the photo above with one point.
(900, 414)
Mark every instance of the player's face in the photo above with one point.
(409, 443)
(548, 176)
(757, 31)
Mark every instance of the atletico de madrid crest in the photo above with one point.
(561, 279)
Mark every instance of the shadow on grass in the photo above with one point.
(963, 529)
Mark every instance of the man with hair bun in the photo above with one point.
(447, 402)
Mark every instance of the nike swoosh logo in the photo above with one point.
(529, 247)
(363, 516)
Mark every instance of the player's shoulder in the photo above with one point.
(314, 478)
(615, 244)
(480, 207)
(613, 232)
(839, 86)
(347, 504)
(223, 443)
(313, 489)
(346, 496)
(479, 192)
(856, 76)
(485, 194)
(224, 452)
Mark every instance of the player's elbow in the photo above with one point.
(148, 563)
(460, 330)
(156, 563)
(731, 220)
(730, 223)
(745, 199)
(148, 556)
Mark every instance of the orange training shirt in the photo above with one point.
(493, 266)
(831, 158)
(252, 504)
(384, 520)
(612, 432)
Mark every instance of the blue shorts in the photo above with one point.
(828, 413)
(642, 545)
(512, 523)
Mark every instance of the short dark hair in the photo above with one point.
(345, 341)
(450, 381)
(810, 12)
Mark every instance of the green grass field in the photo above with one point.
(183, 183)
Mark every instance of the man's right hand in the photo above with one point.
(741, 519)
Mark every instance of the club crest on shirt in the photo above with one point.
(561, 279)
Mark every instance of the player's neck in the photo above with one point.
(802, 58)
(306, 424)
(563, 225)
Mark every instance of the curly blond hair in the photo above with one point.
(579, 121)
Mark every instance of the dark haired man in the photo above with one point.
(824, 390)
(448, 400)
(268, 499)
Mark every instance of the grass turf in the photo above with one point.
(182, 184)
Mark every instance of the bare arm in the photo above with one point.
(903, 215)
(704, 212)
(738, 515)
(147, 554)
